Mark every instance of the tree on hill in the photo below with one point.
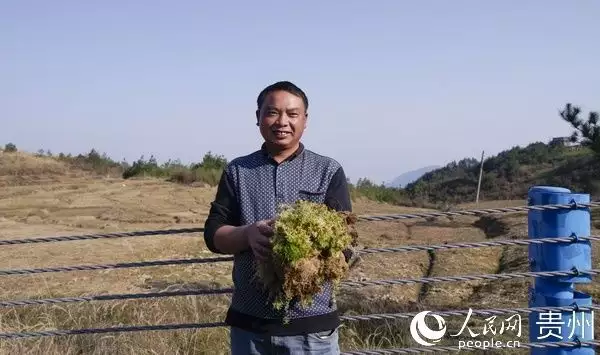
(10, 148)
(209, 170)
(141, 166)
(211, 161)
(587, 133)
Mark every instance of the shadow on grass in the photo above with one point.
(371, 334)
(492, 226)
(395, 334)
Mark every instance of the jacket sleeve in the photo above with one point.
(224, 210)
(338, 198)
(338, 195)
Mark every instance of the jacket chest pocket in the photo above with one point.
(315, 196)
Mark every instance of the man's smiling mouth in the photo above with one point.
(281, 134)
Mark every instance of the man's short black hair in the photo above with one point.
(284, 86)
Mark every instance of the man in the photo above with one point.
(240, 220)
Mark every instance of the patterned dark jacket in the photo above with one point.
(250, 190)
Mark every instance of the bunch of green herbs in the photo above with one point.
(308, 243)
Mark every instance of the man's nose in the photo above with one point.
(283, 119)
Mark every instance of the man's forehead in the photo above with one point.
(281, 95)
(284, 105)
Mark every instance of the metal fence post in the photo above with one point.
(569, 256)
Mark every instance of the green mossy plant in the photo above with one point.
(308, 243)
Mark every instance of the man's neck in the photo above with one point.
(279, 154)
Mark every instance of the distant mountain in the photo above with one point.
(510, 174)
(410, 176)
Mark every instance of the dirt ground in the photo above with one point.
(79, 205)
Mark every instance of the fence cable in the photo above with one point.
(504, 276)
(463, 312)
(495, 243)
(383, 217)
(115, 266)
(347, 284)
(476, 212)
(113, 297)
(68, 238)
(386, 282)
(225, 291)
(407, 248)
(121, 329)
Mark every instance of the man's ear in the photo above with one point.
(257, 117)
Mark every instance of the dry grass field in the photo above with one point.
(39, 198)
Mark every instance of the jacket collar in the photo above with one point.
(298, 151)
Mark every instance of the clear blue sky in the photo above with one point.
(393, 85)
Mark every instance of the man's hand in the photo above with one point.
(258, 235)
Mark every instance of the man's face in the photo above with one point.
(282, 119)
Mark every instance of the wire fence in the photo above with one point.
(382, 217)
(345, 284)
(366, 251)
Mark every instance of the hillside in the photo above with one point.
(23, 168)
(510, 174)
(83, 205)
(507, 176)
(411, 176)
(58, 195)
